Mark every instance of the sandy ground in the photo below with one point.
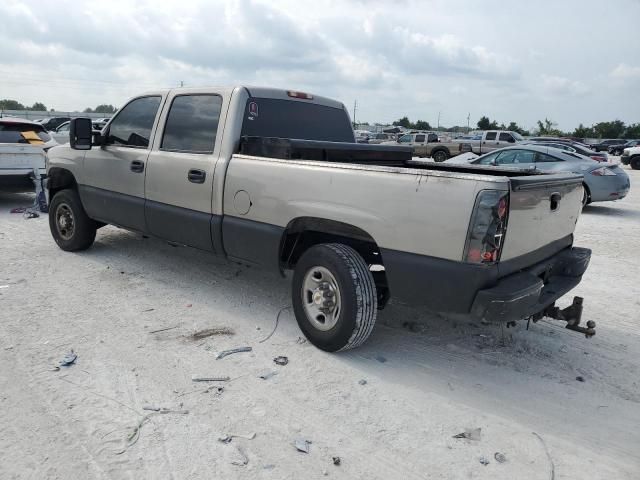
(424, 384)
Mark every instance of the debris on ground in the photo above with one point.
(266, 375)
(202, 378)
(4, 286)
(362, 382)
(232, 351)
(164, 329)
(500, 457)
(301, 340)
(241, 459)
(336, 461)
(302, 445)
(68, 359)
(580, 378)
(381, 359)
(227, 438)
(135, 434)
(281, 360)
(484, 461)
(275, 327)
(209, 332)
(470, 434)
(151, 408)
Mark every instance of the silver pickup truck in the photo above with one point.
(274, 178)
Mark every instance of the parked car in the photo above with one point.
(61, 134)
(618, 149)
(21, 166)
(357, 224)
(377, 138)
(602, 182)
(54, 122)
(605, 144)
(631, 156)
(20, 131)
(574, 147)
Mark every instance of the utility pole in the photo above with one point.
(468, 116)
(438, 121)
(355, 107)
(181, 83)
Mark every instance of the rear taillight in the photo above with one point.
(603, 172)
(598, 159)
(488, 227)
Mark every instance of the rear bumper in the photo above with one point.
(530, 291)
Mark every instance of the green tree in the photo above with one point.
(548, 127)
(583, 132)
(422, 125)
(613, 129)
(632, 132)
(485, 124)
(7, 104)
(38, 107)
(402, 122)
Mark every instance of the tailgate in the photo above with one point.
(542, 209)
(20, 159)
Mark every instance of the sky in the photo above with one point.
(570, 61)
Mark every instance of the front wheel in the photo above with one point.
(334, 297)
(70, 225)
(635, 163)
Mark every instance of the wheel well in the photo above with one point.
(304, 232)
(60, 179)
(440, 149)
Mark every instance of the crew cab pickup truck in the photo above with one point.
(426, 145)
(631, 156)
(274, 178)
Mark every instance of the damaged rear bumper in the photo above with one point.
(530, 291)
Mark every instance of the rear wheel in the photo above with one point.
(439, 156)
(635, 163)
(70, 226)
(586, 195)
(334, 297)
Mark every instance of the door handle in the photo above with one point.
(196, 176)
(137, 166)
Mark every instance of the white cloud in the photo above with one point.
(625, 72)
(563, 86)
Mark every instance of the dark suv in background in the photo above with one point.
(54, 122)
(617, 149)
(605, 144)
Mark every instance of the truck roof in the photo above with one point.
(257, 92)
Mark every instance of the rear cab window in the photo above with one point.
(420, 138)
(192, 123)
(271, 117)
(506, 137)
(490, 136)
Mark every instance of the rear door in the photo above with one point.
(489, 141)
(420, 145)
(179, 181)
(113, 191)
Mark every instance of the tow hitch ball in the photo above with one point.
(572, 315)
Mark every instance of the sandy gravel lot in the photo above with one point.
(424, 384)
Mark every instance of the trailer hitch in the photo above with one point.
(572, 315)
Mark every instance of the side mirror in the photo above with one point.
(80, 133)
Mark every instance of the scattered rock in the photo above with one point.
(381, 359)
(336, 461)
(500, 457)
(68, 359)
(362, 382)
(484, 461)
(470, 434)
(580, 378)
(281, 360)
(302, 445)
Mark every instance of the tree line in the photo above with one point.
(613, 129)
(8, 104)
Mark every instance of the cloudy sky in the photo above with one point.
(571, 61)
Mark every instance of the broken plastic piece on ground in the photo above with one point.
(151, 408)
(484, 461)
(241, 460)
(302, 445)
(68, 359)
(18, 210)
(281, 360)
(208, 332)
(470, 433)
(580, 378)
(232, 351)
(202, 378)
(500, 457)
(228, 437)
(336, 461)
(267, 374)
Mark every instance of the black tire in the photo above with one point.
(70, 226)
(440, 155)
(357, 302)
(635, 163)
(586, 195)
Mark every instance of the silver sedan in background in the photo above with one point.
(602, 181)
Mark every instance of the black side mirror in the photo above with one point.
(80, 133)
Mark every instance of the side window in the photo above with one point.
(405, 139)
(486, 159)
(506, 137)
(544, 158)
(63, 128)
(192, 123)
(511, 157)
(420, 138)
(490, 136)
(132, 126)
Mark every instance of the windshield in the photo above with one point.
(13, 132)
(517, 136)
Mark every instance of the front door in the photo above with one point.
(179, 183)
(113, 191)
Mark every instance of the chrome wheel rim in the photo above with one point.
(321, 298)
(65, 222)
